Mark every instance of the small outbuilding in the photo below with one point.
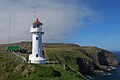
(13, 48)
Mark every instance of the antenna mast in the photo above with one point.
(9, 31)
(34, 12)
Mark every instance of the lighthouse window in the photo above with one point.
(36, 38)
(36, 55)
(37, 25)
(33, 26)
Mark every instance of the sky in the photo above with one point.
(83, 22)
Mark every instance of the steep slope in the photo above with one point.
(102, 58)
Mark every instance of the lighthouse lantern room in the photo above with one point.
(37, 55)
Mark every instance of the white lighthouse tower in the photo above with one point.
(37, 55)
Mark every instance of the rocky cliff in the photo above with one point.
(86, 60)
(101, 60)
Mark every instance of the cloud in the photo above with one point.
(60, 18)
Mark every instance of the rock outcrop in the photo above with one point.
(85, 66)
(86, 60)
(101, 60)
(107, 58)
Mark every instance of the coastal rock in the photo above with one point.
(85, 66)
(101, 59)
(85, 59)
(107, 58)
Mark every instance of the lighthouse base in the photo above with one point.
(36, 60)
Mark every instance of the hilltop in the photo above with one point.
(71, 62)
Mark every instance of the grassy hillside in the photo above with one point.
(67, 62)
(8, 62)
(12, 68)
(42, 72)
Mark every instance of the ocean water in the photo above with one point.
(113, 74)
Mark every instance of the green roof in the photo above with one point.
(13, 48)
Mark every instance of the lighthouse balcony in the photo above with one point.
(36, 30)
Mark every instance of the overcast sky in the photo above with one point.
(85, 22)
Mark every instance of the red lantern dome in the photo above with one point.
(38, 22)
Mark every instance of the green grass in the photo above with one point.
(12, 68)
(45, 72)
(65, 56)
(8, 62)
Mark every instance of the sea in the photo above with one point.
(113, 74)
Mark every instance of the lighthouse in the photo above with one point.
(37, 56)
